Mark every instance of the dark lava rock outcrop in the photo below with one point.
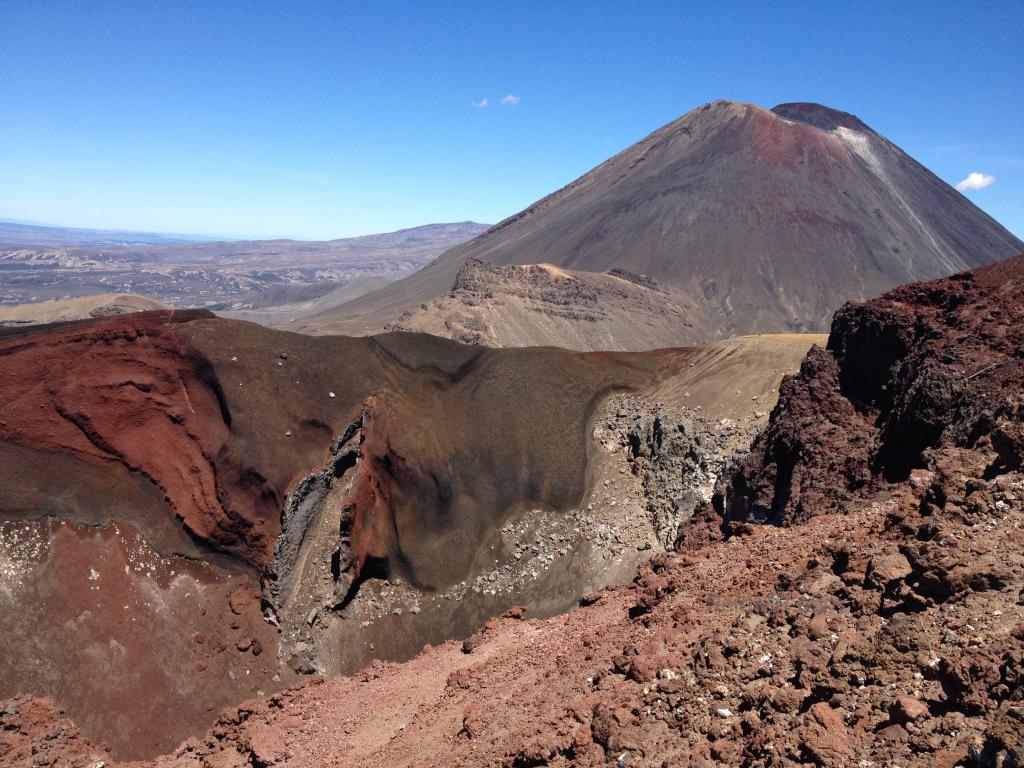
(925, 367)
(679, 454)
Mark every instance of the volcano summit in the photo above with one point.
(750, 220)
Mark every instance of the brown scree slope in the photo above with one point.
(540, 304)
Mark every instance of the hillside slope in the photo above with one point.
(544, 305)
(98, 305)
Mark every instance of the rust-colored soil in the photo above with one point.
(821, 644)
(878, 621)
(141, 650)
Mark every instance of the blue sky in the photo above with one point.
(329, 119)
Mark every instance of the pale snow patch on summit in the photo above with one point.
(860, 144)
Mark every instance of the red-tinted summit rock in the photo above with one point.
(820, 116)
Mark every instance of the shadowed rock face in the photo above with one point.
(820, 116)
(926, 367)
(753, 220)
(221, 418)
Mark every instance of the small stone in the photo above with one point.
(330, 394)
(894, 733)
(787, 699)
(301, 665)
(241, 600)
(921, 479)
(907, 709)
(818, 627)
(724, 712)
(884, 570)
(828, 717)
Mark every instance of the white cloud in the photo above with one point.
(482, 104)
(976, 180)
(510, 100)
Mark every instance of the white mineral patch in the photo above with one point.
(22, 547)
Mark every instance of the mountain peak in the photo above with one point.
(820, 116)
(753, 220)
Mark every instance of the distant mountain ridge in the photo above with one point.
(16, 232)
(31, 233)
(222, 273)
(762, 220)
